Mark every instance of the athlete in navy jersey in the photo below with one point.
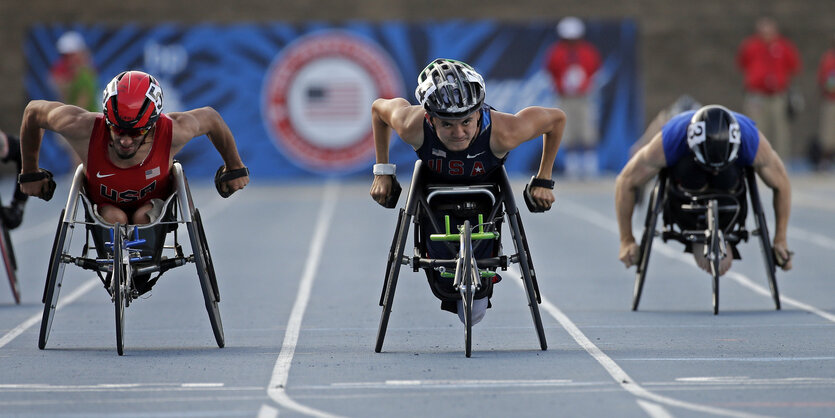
(461, 139)
(705, 150)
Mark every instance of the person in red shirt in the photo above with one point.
(127, 150)
(572, 63)
(826, 82)
(768, 61)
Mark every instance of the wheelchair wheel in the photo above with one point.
(465, 277)
(203, 262)
(714, 249)
(392, 274)
(9, 261)
(54, 277)
(527, 277)
(210, 267)
(391, 256)
(653, 209)
(765, 243)
(119, 287)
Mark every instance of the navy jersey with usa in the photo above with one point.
(674, 139)
(472, 165)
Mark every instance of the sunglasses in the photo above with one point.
(133, 133)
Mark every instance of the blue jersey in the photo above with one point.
(472, 165)
(674, 138)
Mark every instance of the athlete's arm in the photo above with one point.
(206, 121)
(642, 167)
(771, 170)
(510, 131)
(73, 123)
(407, 120)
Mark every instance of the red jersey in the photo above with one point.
(826, 74)
(129, 188)
(768, 66)
(572, 65)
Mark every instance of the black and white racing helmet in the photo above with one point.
(714, 137)
(450, 89)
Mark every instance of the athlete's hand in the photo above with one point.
(543, 196)
(381, 188)
(629, 253)
(230, 180)
(41, 186)
(782, 255)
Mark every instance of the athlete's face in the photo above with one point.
(126, 142)
(456, 134)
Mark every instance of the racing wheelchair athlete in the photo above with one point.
(131, 190)
(459, 192)
(706, 162)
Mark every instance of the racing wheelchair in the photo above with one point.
(127, 255)
(9, 260)
(471, 275)
(718, 223)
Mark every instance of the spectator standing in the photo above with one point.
(826, 82)
(572, 63)
(768, 61)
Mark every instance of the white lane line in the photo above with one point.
(34, 319)
(267, 411)
(596, 218)
(741, 359)
(614, 370)
(278, 383)
(812, 237)
(653, 409)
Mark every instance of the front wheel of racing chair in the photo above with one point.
(762, 232)
(654, 208)
(465, 281)
(120, 284)
(715, 248)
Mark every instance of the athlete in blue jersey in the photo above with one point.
(705, 150)
(461, 139)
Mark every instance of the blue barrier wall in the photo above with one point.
(297, 97)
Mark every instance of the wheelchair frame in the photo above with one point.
(713, 236)
(121, 260)
(9, 260)
(416, 204)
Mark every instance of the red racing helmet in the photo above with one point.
(132, 100)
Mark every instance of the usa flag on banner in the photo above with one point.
(336, 100)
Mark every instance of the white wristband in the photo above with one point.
(384, 169)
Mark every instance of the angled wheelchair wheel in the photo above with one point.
(54, 277)
(714, 249)
(764, 238)
(392, 274)
(527, 276)
(210, 267)
(391, 256)
(464, 272)
(7, 252)
(654, 208)
(202, 259)
(119, 286)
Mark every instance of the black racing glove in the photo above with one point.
(535, 182)
(394, 193)
(222, 177)
(38, 176)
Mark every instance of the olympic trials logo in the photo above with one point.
(316, 100)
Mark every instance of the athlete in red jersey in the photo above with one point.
(128, 151)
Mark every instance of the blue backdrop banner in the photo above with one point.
(298, 97)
